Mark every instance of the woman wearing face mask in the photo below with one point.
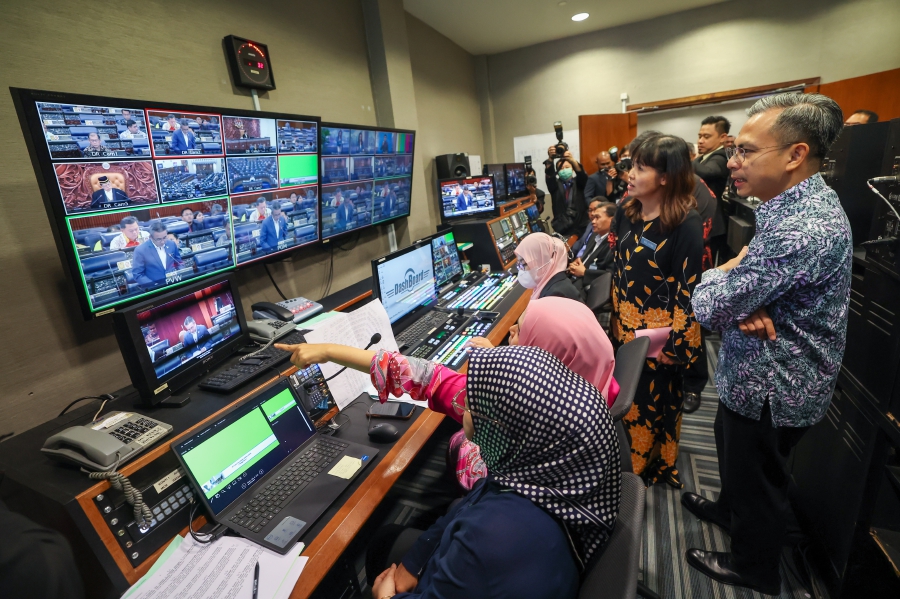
(565, 183)
(542, 263)
(481, 547)
(657, 238)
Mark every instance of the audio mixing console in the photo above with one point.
(484, 295)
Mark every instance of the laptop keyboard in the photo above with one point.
(279, 491)
(419, 329)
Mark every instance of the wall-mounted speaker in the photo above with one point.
(452, 166)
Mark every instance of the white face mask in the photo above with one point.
(526, 279)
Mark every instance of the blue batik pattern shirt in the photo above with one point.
(798, 267)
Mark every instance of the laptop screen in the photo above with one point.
(233, 453)
(446, 258)
(406, 282)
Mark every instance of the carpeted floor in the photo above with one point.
(423, 493)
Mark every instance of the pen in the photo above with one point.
(256, 580)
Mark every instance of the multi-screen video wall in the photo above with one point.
(145, 196)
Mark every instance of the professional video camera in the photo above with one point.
(624, 165)
(561, 146)
(530, 178)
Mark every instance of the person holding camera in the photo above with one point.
(566, 184)
(535, 194)
(601, 182)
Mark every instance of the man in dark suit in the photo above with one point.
(183, 140)
(154, 258)
(343, 212)
(578, 247)
(194, 224)
(108, 196)
(597, 257)
(600, 183)
(388, 200)
(711, 161)
(195, 334)
(274, 228)
(463, 199)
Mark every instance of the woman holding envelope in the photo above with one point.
(657, 238)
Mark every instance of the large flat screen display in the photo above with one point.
(366, 176)
(467, 196)
(146, 196)
(406, 281)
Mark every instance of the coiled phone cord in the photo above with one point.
(142, 514)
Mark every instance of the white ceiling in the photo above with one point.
(491, 26)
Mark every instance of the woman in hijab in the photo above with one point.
(550, 447)
(542, 263)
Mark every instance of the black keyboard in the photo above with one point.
(420, 329)
(229, 380)
(281, 490)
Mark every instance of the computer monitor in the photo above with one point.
(445, 254)
(499, 173)
(466, 197)
(515, 180)
(366, 176)
(118, 175)
(404, 280)
(173, 339)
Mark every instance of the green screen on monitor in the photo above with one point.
(302, 169)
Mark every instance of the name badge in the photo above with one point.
(648, 244)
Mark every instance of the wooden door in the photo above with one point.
(878, 92)
(598, 132)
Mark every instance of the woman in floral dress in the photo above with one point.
(657, 237)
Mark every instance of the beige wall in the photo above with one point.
(725, 46)
(446, 101)
(48, 355)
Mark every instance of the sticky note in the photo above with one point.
(346, 468)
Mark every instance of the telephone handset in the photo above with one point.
(101, 445)
(264, 331)
(268, 310)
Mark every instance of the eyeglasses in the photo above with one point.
(458, 403)
(521, 265)
(740, 154)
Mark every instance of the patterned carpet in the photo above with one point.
(422, 495)
(670, 529)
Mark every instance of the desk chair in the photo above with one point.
(629, 364)
(598, 296)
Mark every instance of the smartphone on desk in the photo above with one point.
(391, 409)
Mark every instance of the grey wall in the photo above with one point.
(725, 46)
(48, 355)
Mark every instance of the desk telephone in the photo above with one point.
(294, 310)
(119, 437)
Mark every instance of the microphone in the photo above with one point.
(882, 179)
(310, 384)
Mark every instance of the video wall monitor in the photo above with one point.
(174, 338)
(515, 180)
(498, 171)
(447, 266)
(144, 197)
(467, 197)
(366, 176)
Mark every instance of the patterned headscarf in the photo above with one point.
(552, 441)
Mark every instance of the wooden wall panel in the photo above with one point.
(598, 132)
(879, 92)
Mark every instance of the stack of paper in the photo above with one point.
(352, 328)
(222, 569)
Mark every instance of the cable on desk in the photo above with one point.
(208, 537)
(271, 278)
(105, 397)
(142, 514)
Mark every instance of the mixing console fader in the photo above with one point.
(484, 295)
(454, 352)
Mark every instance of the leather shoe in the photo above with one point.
(691, 402)
(704, 509)
(720, 567)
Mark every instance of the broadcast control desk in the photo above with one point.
(111, 556)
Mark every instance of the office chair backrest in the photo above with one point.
(598, 295)
(613, 574)
(629, 364)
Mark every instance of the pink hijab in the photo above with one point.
(570, 331)
(545, 256)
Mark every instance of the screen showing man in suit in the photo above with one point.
(157, 260)
(186, 329)
(183, 141)
(92, 186)
(273, 233)
(185, 133)
(195, 336)
(108, 196)
(471, 195)
(76, 131)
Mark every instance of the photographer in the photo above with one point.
(600, 184)
(566, 184)
(535, 195)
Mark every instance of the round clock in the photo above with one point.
(250, 63)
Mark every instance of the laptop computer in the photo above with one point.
(263, 471)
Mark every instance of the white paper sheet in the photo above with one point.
(352, 328)
(405, 398)
(223, 570)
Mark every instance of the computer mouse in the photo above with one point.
(384, 433)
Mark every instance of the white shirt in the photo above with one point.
(276, 228)
(109, 194)
(161, 252)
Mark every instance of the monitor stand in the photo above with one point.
(174, 401)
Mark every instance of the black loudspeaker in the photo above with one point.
(452, 166)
